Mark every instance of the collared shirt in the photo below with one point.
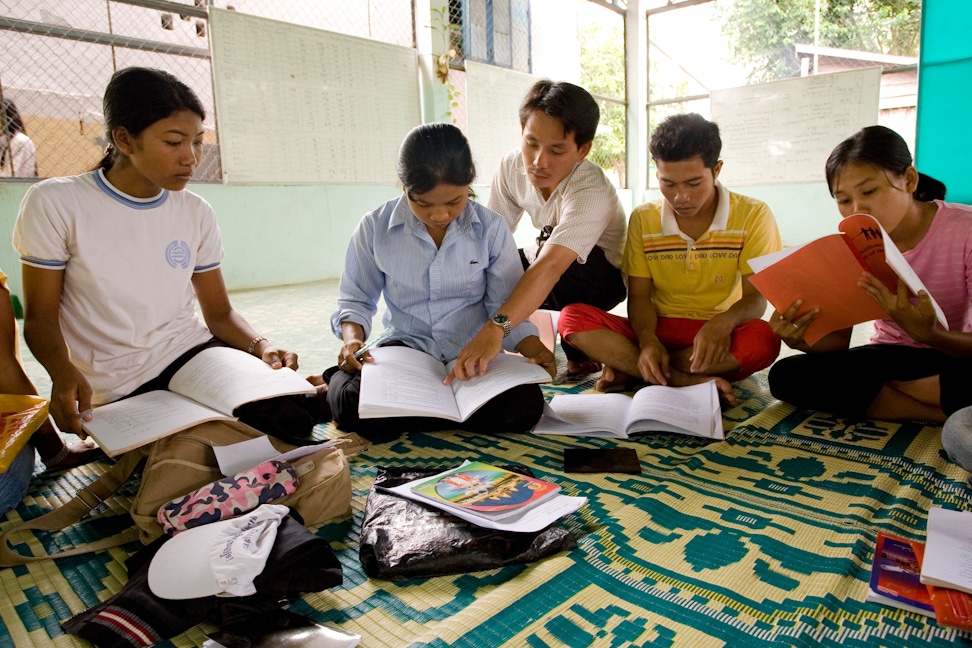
(698, 279)
(437, 298)
(584, 209)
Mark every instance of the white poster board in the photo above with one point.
(298, 105)
(493, 98)
(783, 131)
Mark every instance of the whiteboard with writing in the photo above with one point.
(493, 98)
(298, 105)
(783, 131)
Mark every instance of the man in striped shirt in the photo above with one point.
(693, 316)
(577, 213)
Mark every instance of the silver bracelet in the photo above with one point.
(255, 341)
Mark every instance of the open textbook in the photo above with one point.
(693, 410)
(824, 274)
(207, 388)
(408, 382)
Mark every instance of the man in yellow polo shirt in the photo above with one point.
(693, 316)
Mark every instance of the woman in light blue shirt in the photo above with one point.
(444, 265)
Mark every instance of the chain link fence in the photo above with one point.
(57, 57)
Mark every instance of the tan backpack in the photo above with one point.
(181, 463)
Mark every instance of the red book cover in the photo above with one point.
(895, 575)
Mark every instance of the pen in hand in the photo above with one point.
(375, 340)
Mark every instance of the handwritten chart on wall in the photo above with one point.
(301, 105)
(493, 97)
(783, 132)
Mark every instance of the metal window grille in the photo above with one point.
(496, 32)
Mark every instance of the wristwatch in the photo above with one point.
(499, 319)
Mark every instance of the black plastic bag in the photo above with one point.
(402, 539)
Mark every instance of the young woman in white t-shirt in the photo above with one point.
(113, 260)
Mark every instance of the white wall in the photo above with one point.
(273, 235)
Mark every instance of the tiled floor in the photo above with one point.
(297, 318)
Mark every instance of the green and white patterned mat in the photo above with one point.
(764, 539)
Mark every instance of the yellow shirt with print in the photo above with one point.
(698, 279)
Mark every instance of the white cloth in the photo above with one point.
(584, 208)
(216, 559)
(127, 298)
(19, 158)
(239, 551)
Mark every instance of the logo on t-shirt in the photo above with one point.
(177, 254)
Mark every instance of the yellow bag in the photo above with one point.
(20, 416)
(179, 464)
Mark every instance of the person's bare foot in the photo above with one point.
(74, 454)
(726, 394)
(582, 367)
(611, 379)
(724, 387)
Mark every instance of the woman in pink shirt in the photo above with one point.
(912, 369)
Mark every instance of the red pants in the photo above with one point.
(753, 345)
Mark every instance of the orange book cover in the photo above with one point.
(824, 274)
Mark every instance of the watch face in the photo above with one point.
(500, 318)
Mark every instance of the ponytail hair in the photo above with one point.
(138, 97)
(883, 148)
(432, 154)
(929, 189)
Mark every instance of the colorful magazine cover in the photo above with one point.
(895, 575)
(485, 489)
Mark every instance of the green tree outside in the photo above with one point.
(602, 73)
(762, 33)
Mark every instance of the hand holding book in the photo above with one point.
(825, 276)
(207, 388)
